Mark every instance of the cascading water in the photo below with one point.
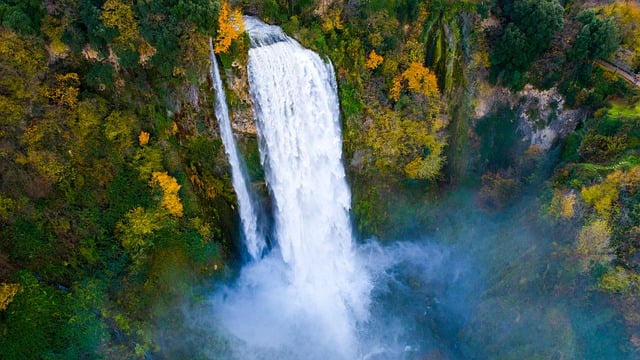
(311, 289)
(297, 114)
(253, 240)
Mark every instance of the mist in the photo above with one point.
(480, 285)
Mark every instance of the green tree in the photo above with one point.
(597, 39)
(23, 16)
(538, 20)
(532, 24)
(35, 321)
(512, 52)
(203, 13)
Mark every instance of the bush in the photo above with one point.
(619, 280)
(593, 246)
(601, 149)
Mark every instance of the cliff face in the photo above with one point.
(242, 117)
(543, 118)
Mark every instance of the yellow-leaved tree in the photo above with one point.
(135, 232)
(66, 91)
(7, 292)
(230, 26)
(604, 196)
(562, 205)
(627, 16)
(119, 15)
(403, 144)
(373, 60)
(170, 187)
(593, 244)
(427, 132)
(418, 79)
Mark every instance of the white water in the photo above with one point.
(253, 240)
(298, 123)
(310, 292)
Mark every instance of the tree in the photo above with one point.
(418, 79)
(118, 15)
(373, 60)
(135, 230)
(512, 52)
(7, 292)
(202, 13)
(562, 205)
(118, 128)
(532, 24)
(593, 244)
(143, 138)
(170, 187)
(538, 20)
(230, 26)
(597, 39)
(23, 16)
(404, 145)
(627, 18)
(66, 91)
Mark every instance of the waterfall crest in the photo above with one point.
(253, 240)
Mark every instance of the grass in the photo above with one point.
(620, 110)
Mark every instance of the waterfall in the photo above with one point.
(253, 240)
(297, 112)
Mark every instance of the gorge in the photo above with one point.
(349, 180)
(316, 293)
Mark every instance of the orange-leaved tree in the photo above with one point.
(143, 138)
(418, 79)
(374, 60)
(230, 26)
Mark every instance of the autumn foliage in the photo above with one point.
(627, 17)
(593, 244)
(7, 292)
(170, 188)
(66, 92)
(119, 15)
(143, 138)
(563, 205)
(416, 78)
(374, 60)
(603, 196)
(230, 26)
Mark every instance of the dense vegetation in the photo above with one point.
(114, 192)
(115, 199)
